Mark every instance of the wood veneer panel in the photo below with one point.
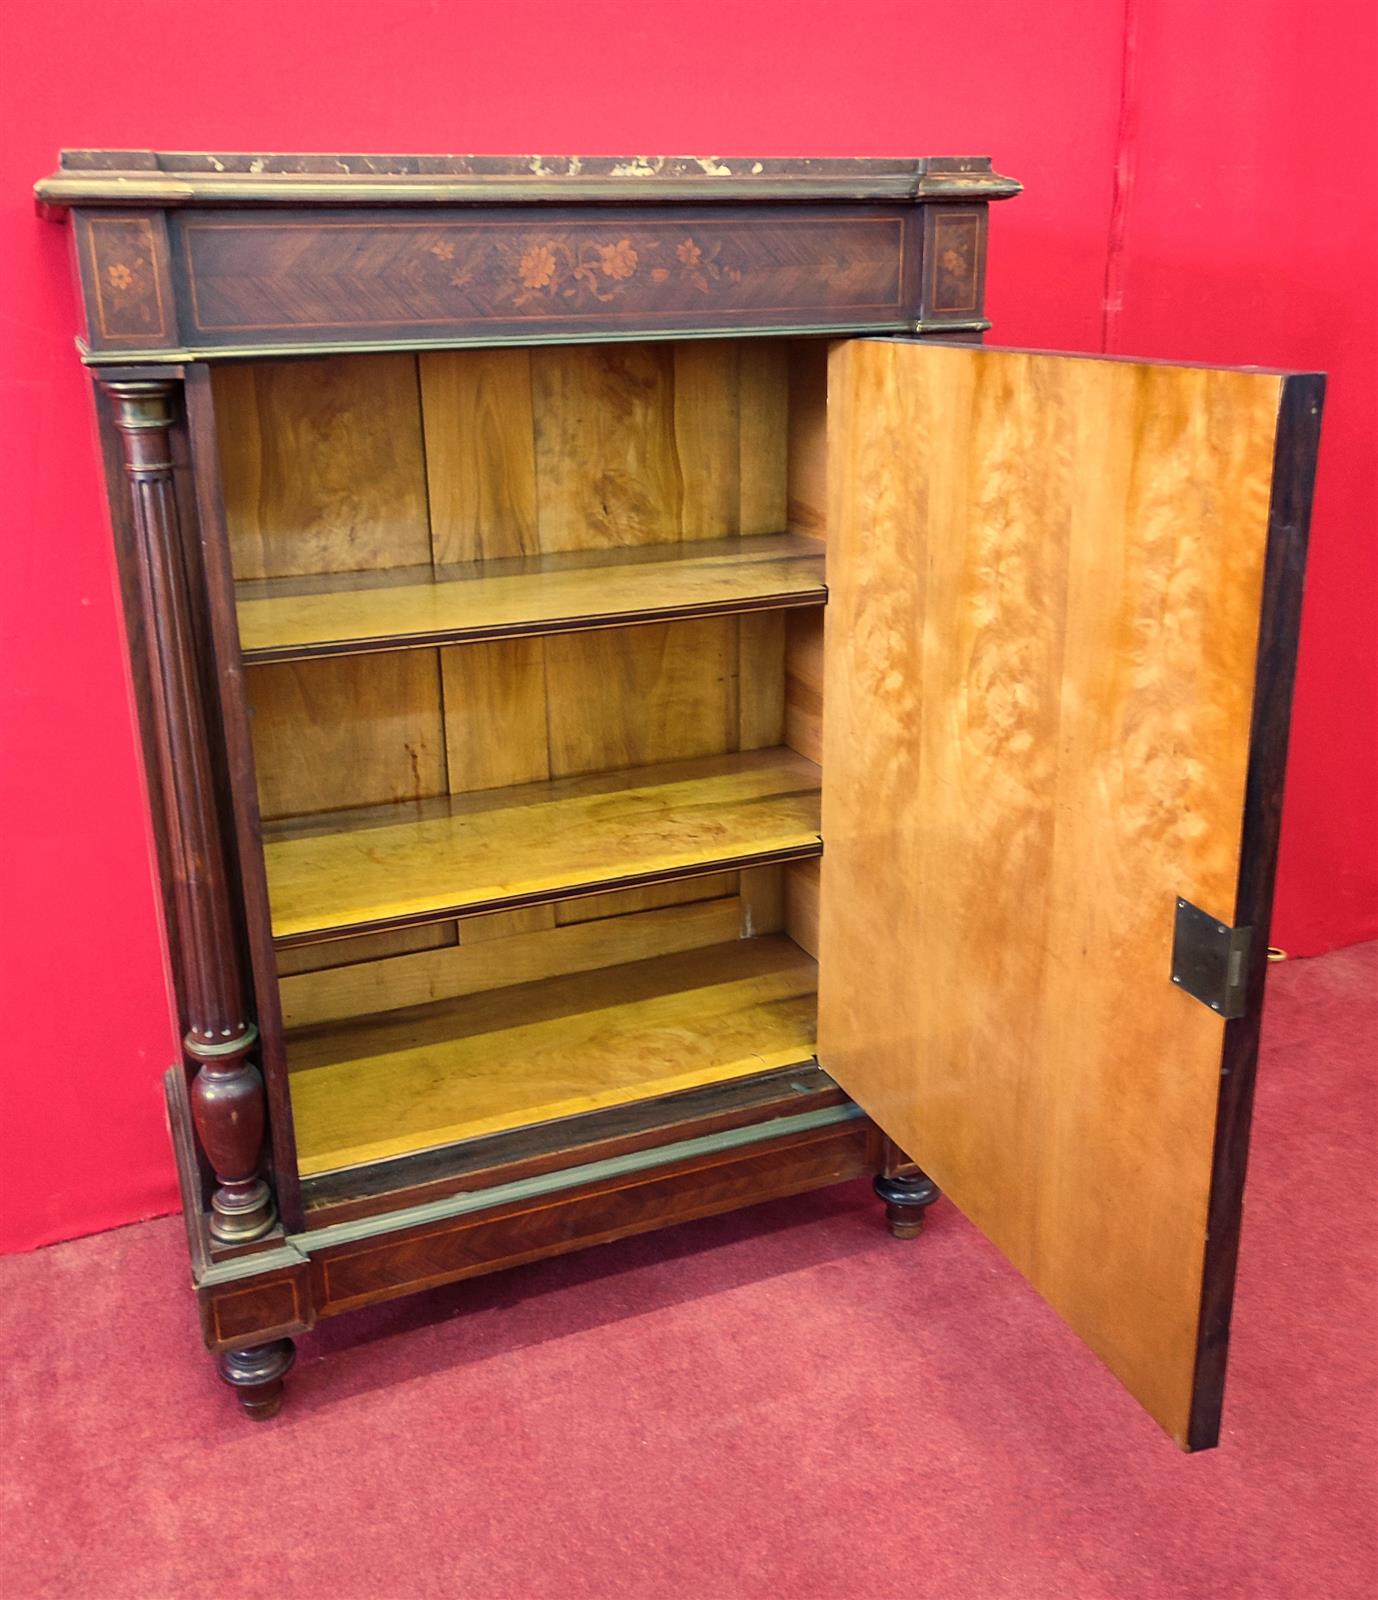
(480, 453)
(606, 468)
(763, 900)
(627, 697)
(807, 511)
(601, 447)
(348, 731)
(349, 955)
(495, 714)
(745, 1172)
(673, 892)
(285, 618)
(807, 502)
(322, 465)
(706, 414)
(392, 864)
(764, 406)
(429, 275)
(524, 709)
(494, 925)
(428, 1076)
(801, 884)
(760, 680)
(1045, 579)
(514, 957)
(803, 687)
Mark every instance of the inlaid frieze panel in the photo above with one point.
(330, 277)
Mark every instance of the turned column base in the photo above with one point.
(243, 1214)
(906, 1201)
(256, 1373)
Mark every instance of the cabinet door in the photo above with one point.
(1063, 599)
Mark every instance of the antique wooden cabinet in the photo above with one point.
(545, 861)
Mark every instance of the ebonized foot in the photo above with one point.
(256, 1376)
(906, 1200)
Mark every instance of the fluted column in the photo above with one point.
(227, 1092)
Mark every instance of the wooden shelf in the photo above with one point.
(391, 866)
(411, 1080)
(284, 619)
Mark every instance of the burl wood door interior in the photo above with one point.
(1062, 605)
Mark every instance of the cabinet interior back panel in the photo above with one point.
(322, 465)
(356, 463)
(348, 731)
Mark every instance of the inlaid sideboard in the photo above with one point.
(645, 712)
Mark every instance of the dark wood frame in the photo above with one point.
(1289, 522)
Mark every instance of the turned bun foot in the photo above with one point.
(256, 1375)
(906, 1202)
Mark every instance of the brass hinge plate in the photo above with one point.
(1210, 959)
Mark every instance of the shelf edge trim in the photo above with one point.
(478, 633)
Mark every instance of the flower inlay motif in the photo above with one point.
(565, 267)
(120, 276)
(538, 266)
(703, 268)
(619, 260)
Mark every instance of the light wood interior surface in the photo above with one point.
(381, 972)
(557, 490)
(287, 617)
(582, 550)
(344, 732)
(1044, 581)
(322, 465)
(358, 463)
(413, 1079)
(499, 957)
(385, 864)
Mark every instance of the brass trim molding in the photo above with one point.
(470, 1201)
(97, 359)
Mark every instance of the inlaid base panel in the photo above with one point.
(352, 1273)
(382, 1086)
(531, 1211)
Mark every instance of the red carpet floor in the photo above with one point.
(781, 1403)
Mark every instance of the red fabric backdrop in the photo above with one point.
(1199, 186)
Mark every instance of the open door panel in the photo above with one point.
(1063, 599)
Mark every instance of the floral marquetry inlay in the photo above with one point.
(561, 267)
(955, 281)
(251, 280)
(122, 258)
